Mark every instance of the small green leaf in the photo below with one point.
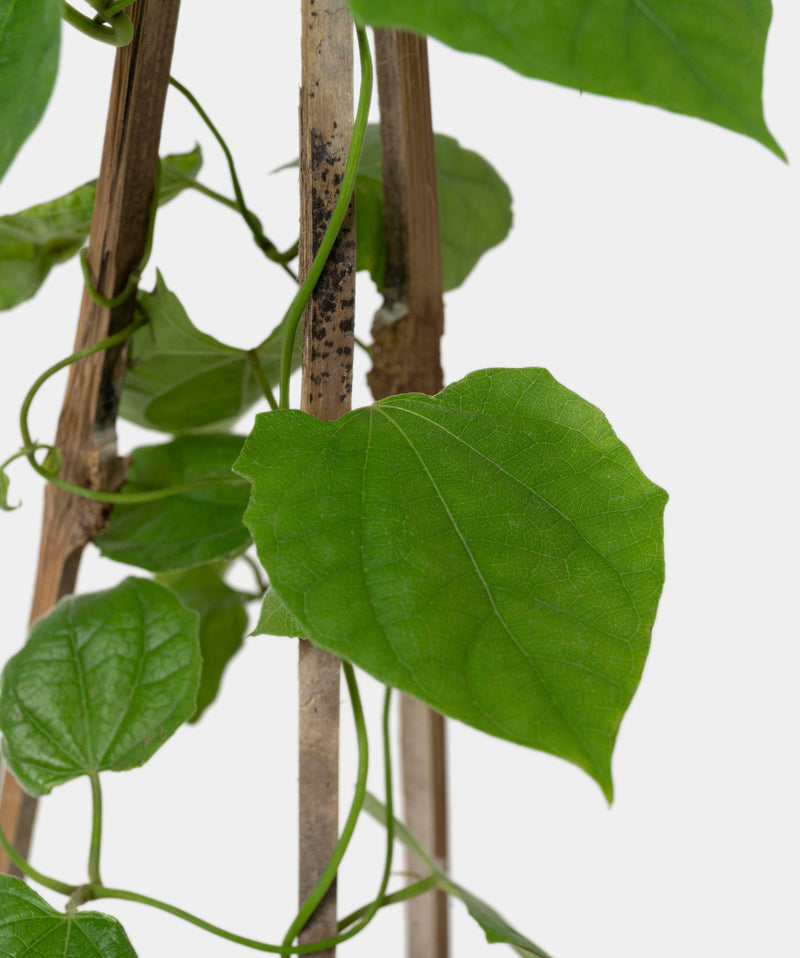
(30, 36)
(187, 529)
(494, 550)
(102, 682)
(4, 485)
(180, 379)
(497, 929)
(34, 240)
(474, 208)
(276, 619)
(53, 461)
(31, 928)
(703, 58)
(223, 622)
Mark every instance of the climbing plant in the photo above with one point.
(493, 550)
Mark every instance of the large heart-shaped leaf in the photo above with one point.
(223, 622)
(102, 682)
(180, 379)
(195, 526)
(494, 550)
(34, 240)
(700, 57)
(30, 35)
(30, 928)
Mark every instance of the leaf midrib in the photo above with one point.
(570, 522)
(537, 672)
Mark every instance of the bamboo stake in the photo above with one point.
(326, 124)
(86, 429)
(405, 352)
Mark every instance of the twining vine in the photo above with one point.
(509, 579)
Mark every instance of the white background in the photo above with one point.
(652, 268)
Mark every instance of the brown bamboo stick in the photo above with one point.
(326, 124)
(405, 352)
(86, 429)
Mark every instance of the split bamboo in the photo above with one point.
(406, 358)
(86, 429)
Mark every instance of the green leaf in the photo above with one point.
(276, 619)
(497, 929)
(180, 379)
(4, 485)
(494, 550)
(196, 526)
(32, 928)
(36, 239)
(30, 35)
(703, 58)
(223, 622)
(474, 208)
(102, 682)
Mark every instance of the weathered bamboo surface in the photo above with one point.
(86, 429)
(326, 124)
(406, 358)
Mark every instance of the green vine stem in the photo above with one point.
(292, 318)
(368, 913)
(261, 376)
(414, 890)
(365, 914)
(266, 245)
(326, 880)
(117, 32)
(97, 829)
(110, 9)
(113, 498)
(96, 892)
(133, 280)
(27, 869)
(256, 570)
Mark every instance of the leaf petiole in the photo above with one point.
(27, 869)
(258, 369)
(111, 497)
(266, 245)
(118, 32)
(421, 887)
(97, 829)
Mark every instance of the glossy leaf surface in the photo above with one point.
(34, 240)
(494, 550)
(32, 928)
(199, 525)
(223, 622)
(496, 928)
(30, 36)
(474, 208)
(180, 379)
(703, 58)
(102, 682)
